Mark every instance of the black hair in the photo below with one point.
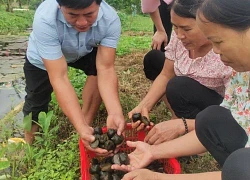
(77, 4)
(185, 8)
(234, 14)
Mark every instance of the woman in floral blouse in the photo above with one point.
(223, 130)
(237, 100)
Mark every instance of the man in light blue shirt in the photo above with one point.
(82, 34)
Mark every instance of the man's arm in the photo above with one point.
(67, 98)
(108, 87)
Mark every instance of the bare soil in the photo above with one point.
(131, 76)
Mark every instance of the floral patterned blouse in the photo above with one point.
(237, 100)
(208, 70)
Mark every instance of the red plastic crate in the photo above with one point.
(171, 165)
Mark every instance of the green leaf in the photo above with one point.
(4, 177)
(2, 151)
(42, 119)
(27, 122)
(47, 121)
(4, 163)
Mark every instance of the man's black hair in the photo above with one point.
(77, 4)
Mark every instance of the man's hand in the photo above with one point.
(164, 131)
(159, 38)
(87, 137)
(139, 158)
(140, 174)
(116, 122)
(144, 112)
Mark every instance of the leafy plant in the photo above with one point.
(16, 22)
(129, 44)
(61, 162)
(4, 162)
(128, 6)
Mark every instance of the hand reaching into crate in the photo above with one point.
(109, 140)
(116, 122)
(87, 138)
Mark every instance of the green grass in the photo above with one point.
(15, 23)
(136, 34)
(129, 44)
(136, 23)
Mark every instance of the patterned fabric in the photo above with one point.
(208, 70)
(148, 6)
(237, 100)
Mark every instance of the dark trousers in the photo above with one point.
(164, 10)
(186, 96)
(153, 63)
(237, 165)
(38, 89)
(38, 86)
(219, 132)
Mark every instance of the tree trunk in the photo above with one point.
(9, 6)
(20, 3)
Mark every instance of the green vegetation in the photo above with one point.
(129, 44)
(128, 6)
(16, 22)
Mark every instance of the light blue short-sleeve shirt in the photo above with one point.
(52, 37)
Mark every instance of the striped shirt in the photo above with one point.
(52, 37)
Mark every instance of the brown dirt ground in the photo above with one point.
(130, 73)
(133, 85)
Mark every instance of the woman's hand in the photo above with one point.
(164, 131)
(139, 158)
(138, 124)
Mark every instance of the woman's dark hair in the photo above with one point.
(234, 14)
(77, 4)
(185, 8)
